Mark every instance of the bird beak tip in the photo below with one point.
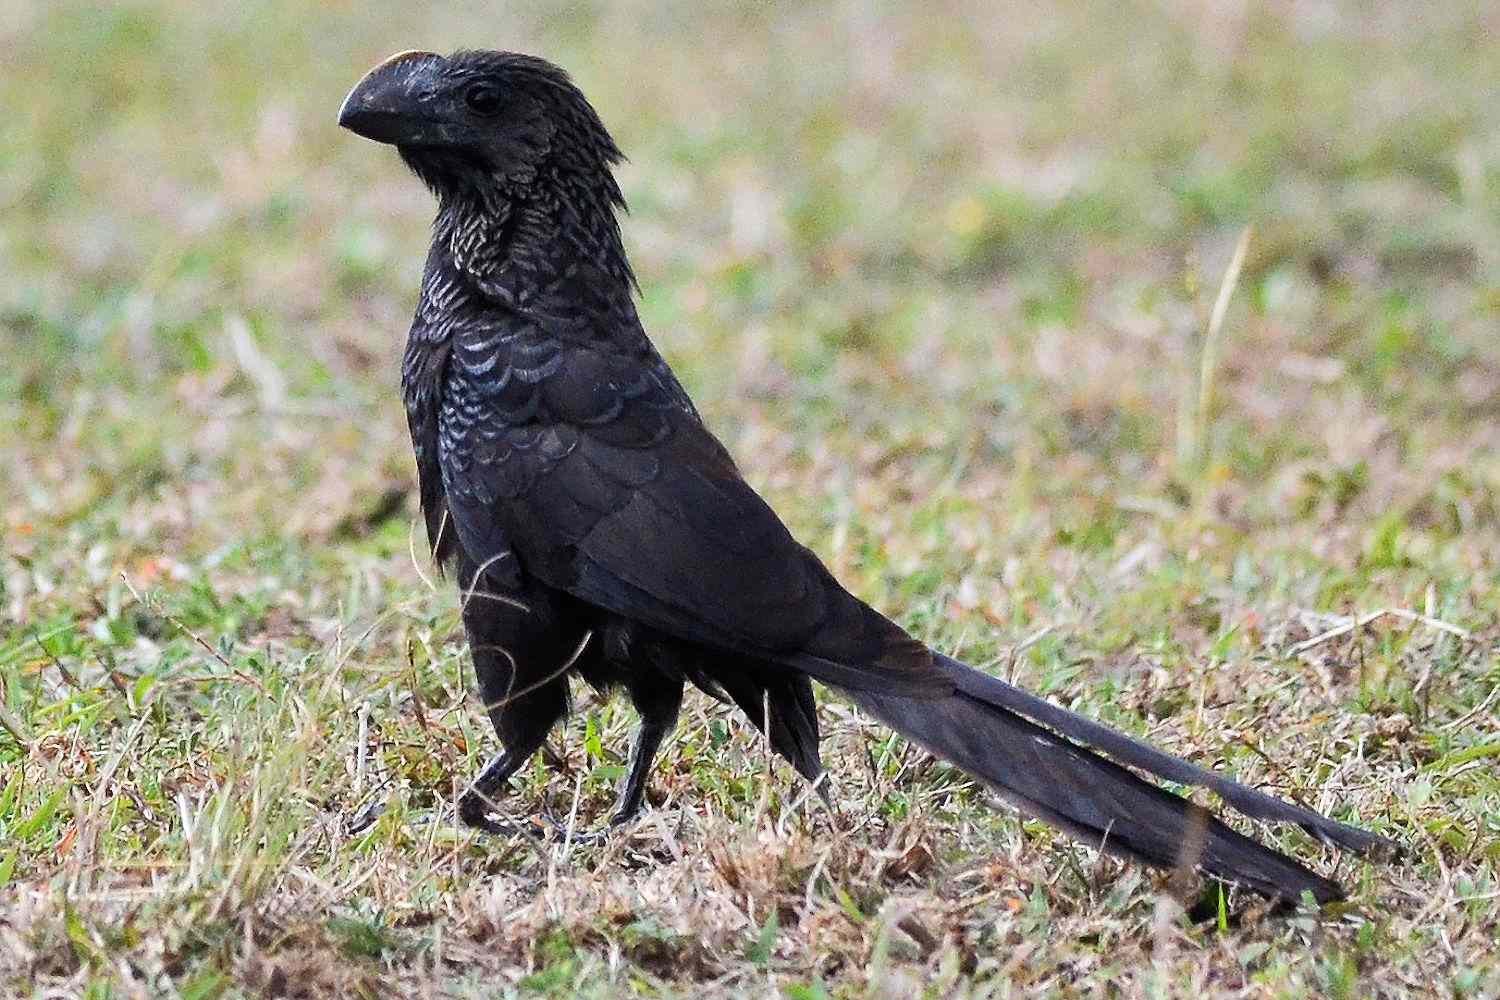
(346, 113)
(353, 115)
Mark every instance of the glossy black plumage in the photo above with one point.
(599, 529)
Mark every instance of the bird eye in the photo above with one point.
(483, 99)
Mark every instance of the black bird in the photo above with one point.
(598, 528)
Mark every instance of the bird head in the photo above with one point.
(483, 122)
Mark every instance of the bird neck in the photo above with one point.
(512, 244)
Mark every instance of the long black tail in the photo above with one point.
(1050, 775)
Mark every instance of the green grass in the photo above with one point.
(941, 281)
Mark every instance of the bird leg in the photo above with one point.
(658, 702)
(643, 750)
(482, 795)
(658, 698)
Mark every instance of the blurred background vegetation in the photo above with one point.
(940, 274)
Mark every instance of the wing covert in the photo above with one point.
(586, 456)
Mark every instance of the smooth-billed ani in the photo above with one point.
(598, 528)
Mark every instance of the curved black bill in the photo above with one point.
(383, 105)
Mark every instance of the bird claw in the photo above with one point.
(474, 813)
(588, 838)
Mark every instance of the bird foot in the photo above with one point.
(474, 812)
(590, 838)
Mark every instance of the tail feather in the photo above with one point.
(980, 728)
(1132, 751)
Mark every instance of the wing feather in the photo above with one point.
(594, 466)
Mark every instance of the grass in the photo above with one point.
(941, 277)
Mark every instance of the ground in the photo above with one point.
(958, 284)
